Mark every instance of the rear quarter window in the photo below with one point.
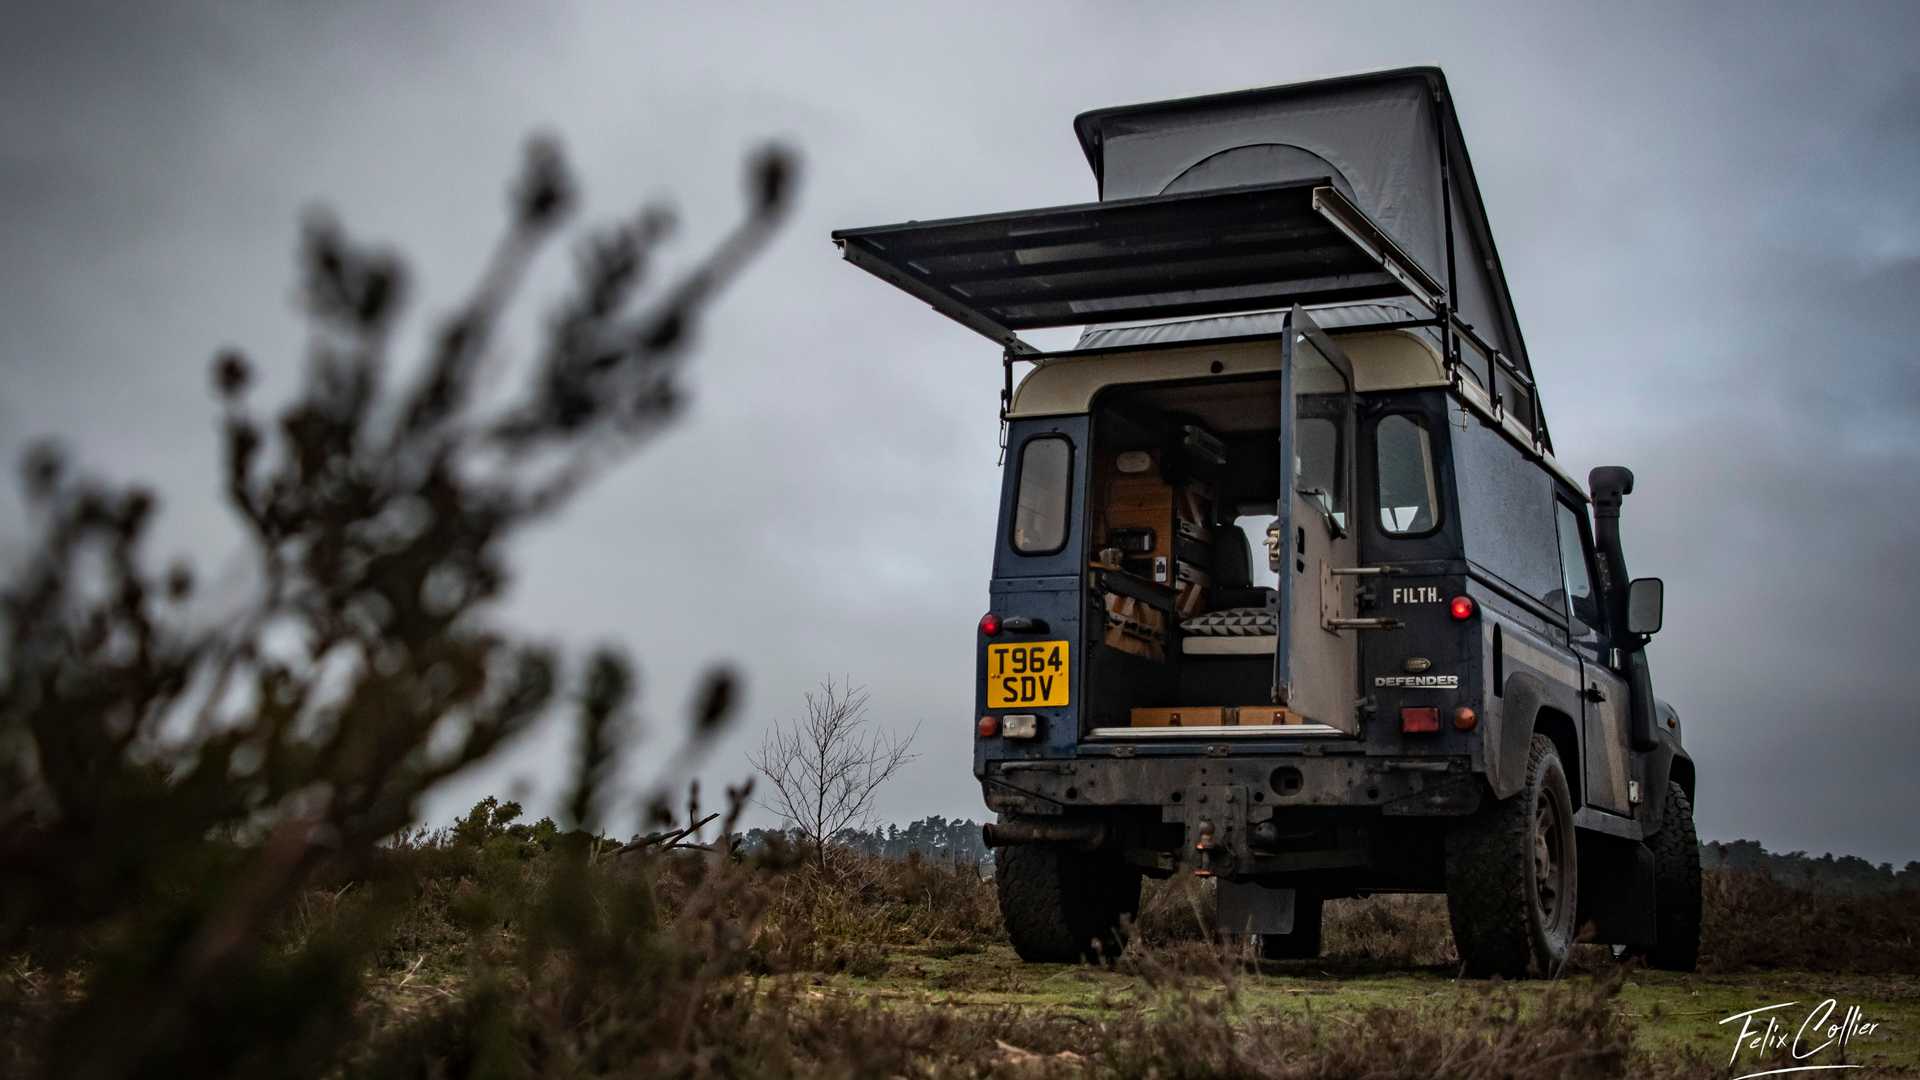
(1409, 499)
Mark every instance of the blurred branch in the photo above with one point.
(360, 671)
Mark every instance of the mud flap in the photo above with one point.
(1246, 907)
(1616, 891)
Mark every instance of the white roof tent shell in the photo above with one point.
(1345, 191)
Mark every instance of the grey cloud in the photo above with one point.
(1707, 214)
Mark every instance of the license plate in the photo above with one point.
(1026, 674)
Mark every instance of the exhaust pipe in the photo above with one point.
(1085, 835)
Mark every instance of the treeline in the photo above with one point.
(955, 841)
(1845, 874)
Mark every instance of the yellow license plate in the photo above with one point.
(1030, 673)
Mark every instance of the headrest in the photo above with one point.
(1232, 557)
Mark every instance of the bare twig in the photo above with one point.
(827, 768)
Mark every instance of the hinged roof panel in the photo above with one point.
(1246, 248)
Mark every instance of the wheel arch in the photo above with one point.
(1682, 773)
(1531, 707)
(1565, 735)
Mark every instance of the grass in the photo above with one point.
(1671, 1016)
(881, 950)
(883, 947)
(509, 950)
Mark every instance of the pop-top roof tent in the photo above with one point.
(1339, 191)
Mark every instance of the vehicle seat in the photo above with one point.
(1241, 622)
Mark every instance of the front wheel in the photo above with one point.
(1676, 886)
(1512, 876)
(1061, 906)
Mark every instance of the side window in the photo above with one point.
(1408, 498)
(1507, 515)
(1575, 575)
(1041, 500)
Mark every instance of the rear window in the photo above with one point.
(1316, 448)
(1040, 501)
(1407, 495)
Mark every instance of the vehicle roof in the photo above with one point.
(1238, 346)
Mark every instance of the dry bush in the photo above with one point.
(682, 1000)
(850, 913)
(1401, 929)
(1177, 908)
(1572, 1031)
(1753, 922)
(1407, 930)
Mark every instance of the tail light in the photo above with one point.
(990, 624)
(1465, 719)
(1418, 719)
(1461, 608)
(988, 727)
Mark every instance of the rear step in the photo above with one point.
(1211, 731)
(1212, 721)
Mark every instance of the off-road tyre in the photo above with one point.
(1676, 886)
(1304, 942)
(1512, 876)
(1061, 906)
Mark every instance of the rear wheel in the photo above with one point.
(1512, 878)
(1061, 906)
(1304, 942)
(1676, 886)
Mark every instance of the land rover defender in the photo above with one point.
(1288, 588)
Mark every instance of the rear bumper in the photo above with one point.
(1349, 821)
(1396, 786)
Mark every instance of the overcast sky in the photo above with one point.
(1709, 216)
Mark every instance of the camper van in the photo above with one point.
(1289, 590)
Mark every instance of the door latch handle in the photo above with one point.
(1594, 693)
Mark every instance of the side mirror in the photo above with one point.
(1646, 598)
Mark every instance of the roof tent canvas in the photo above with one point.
(1390, 142)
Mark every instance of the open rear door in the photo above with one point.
(1256, 248)
(1315, 666)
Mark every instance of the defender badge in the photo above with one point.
(1417, 682)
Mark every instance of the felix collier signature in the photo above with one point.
(1766, 1030)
